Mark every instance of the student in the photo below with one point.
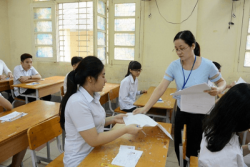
(220, 146)
(82, 116)
(187, 71)
(129, 86)
(5, 69)
(26, 73)
(74, 62)
(17, 158)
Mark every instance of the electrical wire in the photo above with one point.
(173, 22)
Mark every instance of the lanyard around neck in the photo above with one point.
(185, 82)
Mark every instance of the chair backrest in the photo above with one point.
(62, 91)
(44, 132)
(184, 140)
(114, 93)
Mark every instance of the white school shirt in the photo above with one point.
(3, 68)
(82, 112)
(128, 92)
(18, 72)
(230, 156)
(65, 84)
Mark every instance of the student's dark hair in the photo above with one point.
(25, 56)
(230, 115)
(90, 66)
(189, 39)
(133, 65)
(75, 60)
(217, 65)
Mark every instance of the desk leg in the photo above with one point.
(37, 95)
(18, 158)
(167, 116)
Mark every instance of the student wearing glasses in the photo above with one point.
(189, 70)
(129, 87)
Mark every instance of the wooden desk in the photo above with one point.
(154, 146)
(45, 87)
(104, 94)
(4, 84)
(168, 103)
(13, 136)
(193, 161)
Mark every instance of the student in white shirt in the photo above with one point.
(220, 146)
(82, 116)
(5, 69)
(74, 62)
(129, 86)
(26, 73)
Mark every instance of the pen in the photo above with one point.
(141, 130)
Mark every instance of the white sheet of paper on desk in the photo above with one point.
(195, 100)
(160, 100)
(12, 116)
(240, 81)
(143, 120)
(33, 83)
(127, 157)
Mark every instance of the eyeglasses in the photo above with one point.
(137, 70)
(180, 50)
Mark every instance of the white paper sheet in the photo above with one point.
(160, 100)
(240, 81)
(33, 83)
(143, 120)
(12, 116)
(127, 157)
(195, 100)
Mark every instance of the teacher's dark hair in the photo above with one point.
(133, 65)
(230, 115)
(89, 66)
(189, 39)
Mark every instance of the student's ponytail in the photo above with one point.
(197, 49)
(133, 65)
(90, 66)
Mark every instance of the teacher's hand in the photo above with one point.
(140, 111)
(213, 92)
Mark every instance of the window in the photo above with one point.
(124, 31)
(247, 53)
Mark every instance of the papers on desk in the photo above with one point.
(33, 83)
(12, 116)
(160, 100)
(127, 156)
(195, 100)
(240, 81)
(143, 120)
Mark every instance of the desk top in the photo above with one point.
(154, 146)
(42, 83)
(5, 80)
(38, 111)
(108, 87)
(168, 100)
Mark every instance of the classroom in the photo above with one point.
(137, 38)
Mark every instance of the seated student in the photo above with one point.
(17, 158)
(26, 73)
(5, 69)
(82, 116)
(220, 146)
(129, 86)
(74, 62)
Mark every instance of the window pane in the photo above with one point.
(43, 26)
(248, 43)
(101, 53)
(42, 13)
(44, 39)
(101, 7)
(124, 24)
(125, 39)
(100, 38)
(247, 59)
(249, 27)
(100, 23)
(44, 52)
(126, 9)
(124, 53)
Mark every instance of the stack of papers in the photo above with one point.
(195, 100)
(12, 116)
(127, 156)
(143, 120)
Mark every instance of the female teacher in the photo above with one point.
(188, 70)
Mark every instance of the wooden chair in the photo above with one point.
(58, 162)
(193, 161)
(183, 146)
(42, 133)
(13, 95)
